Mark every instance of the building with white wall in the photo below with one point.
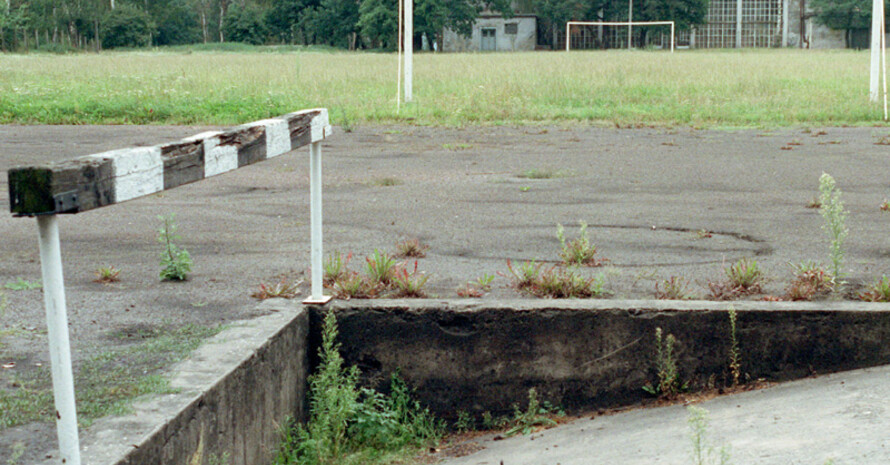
(495, 33)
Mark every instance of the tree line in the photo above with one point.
(350, 24)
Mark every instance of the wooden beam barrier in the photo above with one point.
(107, 178)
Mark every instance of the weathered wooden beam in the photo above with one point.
(94, 181)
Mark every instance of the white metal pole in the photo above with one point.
(884, 59)
(59, 344)
(399, 77)
(315, 219)
(785, 23)
(877, 12)
(409, 50)
(568, 36)
(738, 24)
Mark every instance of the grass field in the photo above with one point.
(698, 88)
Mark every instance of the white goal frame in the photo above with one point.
(629, 24)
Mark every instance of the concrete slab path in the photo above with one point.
(835, 419)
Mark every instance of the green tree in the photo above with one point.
(178, 23)
(288, 20)
(378, 23)
(846, 15)
(335, 23)
(433, 16)
(245, 23)
(126, 26)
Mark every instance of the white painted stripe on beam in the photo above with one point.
(277, 136)
(219, 158)
(320, 125)
(138, 171)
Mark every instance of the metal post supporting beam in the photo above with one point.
(59, 344)
(315, 220)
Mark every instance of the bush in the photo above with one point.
(126, 26)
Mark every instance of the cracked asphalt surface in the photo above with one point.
(660, 202)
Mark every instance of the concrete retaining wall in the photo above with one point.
(484, 356)
(476, 356)
(236, 390)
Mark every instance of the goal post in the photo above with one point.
(629, 24)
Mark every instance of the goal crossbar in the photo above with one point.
(617, 23)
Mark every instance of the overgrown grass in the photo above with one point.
(192, 86)
(107, 383)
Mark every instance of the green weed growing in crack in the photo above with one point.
(746, 275)
(578, 251)
(21, 284)
(810, 280)
(666, 366)
(703, 453)
(176, 263)
(464, 422)
(18, 449)
(878, 291)
(409, 284)
(535, 416)
(336, 267)
(352, 425)
(381, 268)
(107, 274)
(734, 353)
(674, 288)
(832, 211)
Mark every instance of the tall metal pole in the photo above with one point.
(409, 50)
(785, 23)
(877, 15)
(630, 18)
(59, 344)
(738, 23)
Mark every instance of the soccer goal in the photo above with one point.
(608, 34)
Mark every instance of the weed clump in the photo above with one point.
(336, 267)
(352, 425)
(354, 286)
(735, 366)
(673, 288)
(383, 276)
(810, 280)
(668, 385)
(535, 416)
(878, 291)
(381, 268)
(283, 289)
(578, 251)
(555, 282)
(176, 263)
(411, 248)
(409, 284)
(744, 277)
(832, 211)
(477, 288)
(702, 452)
(107, 275)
